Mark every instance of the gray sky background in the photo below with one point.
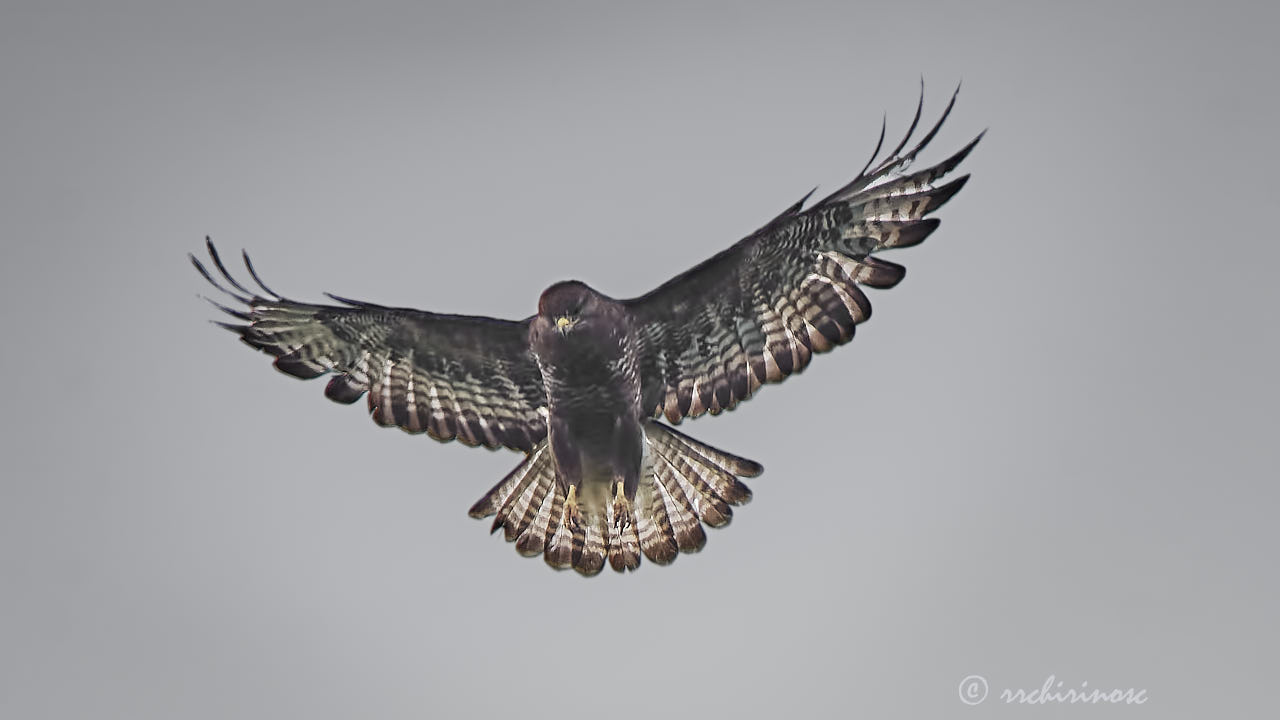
(1051, 451)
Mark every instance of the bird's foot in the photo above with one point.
(621, 509)
(571, 515)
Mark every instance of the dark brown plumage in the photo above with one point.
(581, 386)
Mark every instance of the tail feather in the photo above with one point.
(534, 540)
(684, 484)
(710, 507)
(536, 464)
(559, 554)
(657, 539)
(537, 496)
(690, 537)
(712, 456)
(624, 542)
(721, 483)
(589, 549)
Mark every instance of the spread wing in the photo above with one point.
(450, 376)
(757, 312)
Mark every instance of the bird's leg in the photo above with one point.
(568, 470)
(621, 507)
(571, 515)
(628, 456)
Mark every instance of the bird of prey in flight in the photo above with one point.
(583, 386)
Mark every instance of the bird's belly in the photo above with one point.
(594, 434)
(593, 417)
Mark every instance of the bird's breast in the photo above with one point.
(581, 378)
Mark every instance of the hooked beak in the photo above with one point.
(563, 324)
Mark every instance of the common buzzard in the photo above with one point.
(582, 386)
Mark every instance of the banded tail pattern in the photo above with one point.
(685, 484)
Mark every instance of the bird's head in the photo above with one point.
(566, 304)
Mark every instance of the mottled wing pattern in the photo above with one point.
(450, 376)
(758, 311)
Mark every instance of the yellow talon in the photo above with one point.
(571, 508)
(621, 508)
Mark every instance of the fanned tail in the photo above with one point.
(684, 483)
